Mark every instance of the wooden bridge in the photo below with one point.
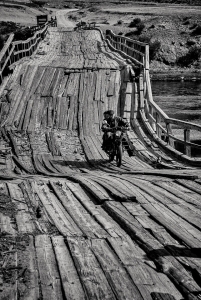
(73, 225)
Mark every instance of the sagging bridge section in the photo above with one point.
(73, 225)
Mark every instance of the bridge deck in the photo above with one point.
(73, 225)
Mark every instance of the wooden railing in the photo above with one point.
(13, 51)
(157, 123)
(138, 52)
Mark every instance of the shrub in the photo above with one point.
(197, 31)
(135, 22)
(187, 22)
(140, 27)
(1, 42)
(193, 55)
(193, 26)
(23, 34)
(94, 9)
(39, 2)
(138, 24)
(7, 27)
(154, 47)
(119, 22)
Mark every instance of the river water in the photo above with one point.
(179, 99)
(176, 88)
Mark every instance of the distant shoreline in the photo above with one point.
(172, 75)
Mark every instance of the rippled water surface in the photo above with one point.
(176, 88)
(179, 99)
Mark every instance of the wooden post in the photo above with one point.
(187, 139)
(169, 131)
(135, 101)
(152, 123)
(141, 90)
(158, 129)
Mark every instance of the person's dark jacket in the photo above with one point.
(108, 124)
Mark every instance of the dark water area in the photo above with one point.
(179, 100)
(176, 88)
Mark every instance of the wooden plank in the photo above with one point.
(62, 86)
(111, 87)
(97, 82)
(158, 193)
(170, 266)
(32, 288)
(69, 89)
(90, 272)
(96, 211)
(13, 79)
(43, 81)
(6, 225)
(57, 111)
(62, 113)
(46, 90)
(23, 217)
(103, 85)
(38, 115)
(37, 79)
(54, 87)
(119, 191)
(71, 112)
(80, 103)
(85, 108)
(59, 217)
(34, 114)
(191, 185)
(182, 192)
(76, 92)
(173, 223)
(71, 284)
(87, 224)
(28, 113)
(13, 108)
(49, 275)
(123, 286)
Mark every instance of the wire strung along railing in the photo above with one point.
(173, 134)
(15, 50)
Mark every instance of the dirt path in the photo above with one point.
(62, 18)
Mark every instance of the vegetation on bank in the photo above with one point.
(192, 54)
(20, 32)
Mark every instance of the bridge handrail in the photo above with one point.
(161, 125)
(137, 50)
(157, 122)
(11, 53)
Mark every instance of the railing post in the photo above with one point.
(152, 123)
(158, 129)
(136, 100)
(141, 90)
(169, 131)
(187, 139)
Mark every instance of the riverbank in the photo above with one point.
(175, 75)
(161, 71)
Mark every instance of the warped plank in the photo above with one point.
(71, 284)
(90, 272)
(49, 275)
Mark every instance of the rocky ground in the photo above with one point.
(173, 26)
